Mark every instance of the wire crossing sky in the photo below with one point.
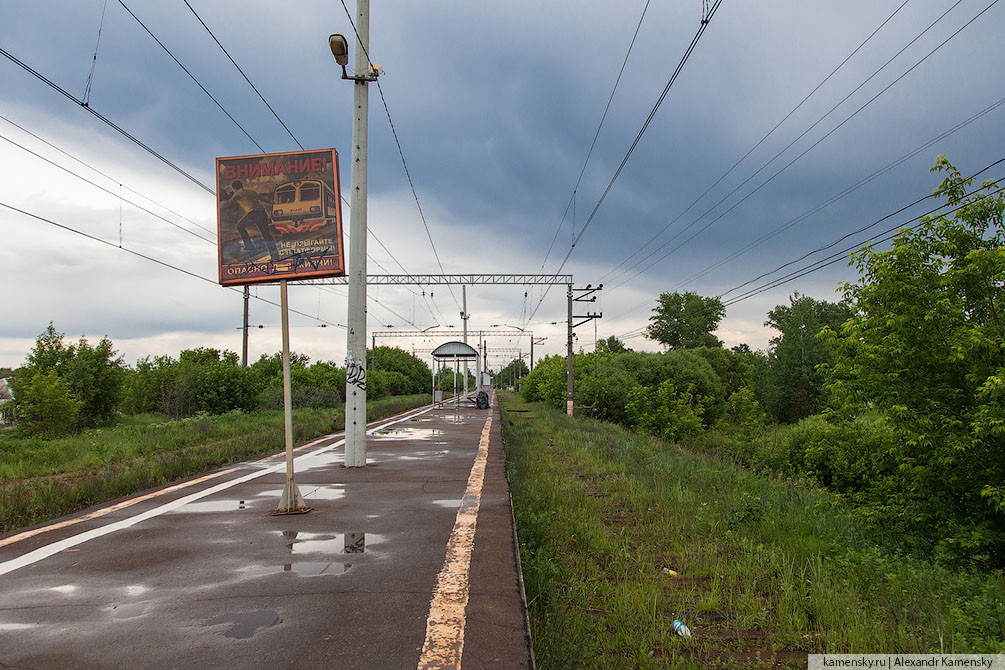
(514, 132)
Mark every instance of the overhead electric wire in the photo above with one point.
(843, 253)
(820, 206)
(154, 260)
(109, 192)
(854, 232)
(885, 236)
(94, 59)
(783, 150)
(873, 224)
(706, 19)
(24, 66)
(593, 144)
(253, 87)
(401, 153)
(105, 175)
(758, 144)
(192, 76)
(791, 162)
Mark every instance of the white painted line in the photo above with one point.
(58, 546)
(444, 645)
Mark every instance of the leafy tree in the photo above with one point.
(95, 376)
(666, 412)
(416, 375)
(685, 320)
(92, 376)
(611, 345)
(795, 378)
(512, 374)
(44, 406)
(926, 345)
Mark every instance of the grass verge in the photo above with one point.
(767, 570)
(44, 479)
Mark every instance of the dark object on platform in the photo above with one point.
(482, 400)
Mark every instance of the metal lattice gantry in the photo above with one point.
(458, 279)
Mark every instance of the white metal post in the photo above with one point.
(464, 316)
(291, 500)
(355, 391)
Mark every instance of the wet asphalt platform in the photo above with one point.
(381, 574)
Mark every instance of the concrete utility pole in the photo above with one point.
(355, 392)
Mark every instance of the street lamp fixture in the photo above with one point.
(340, 49)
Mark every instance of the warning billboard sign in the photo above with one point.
(279, 217)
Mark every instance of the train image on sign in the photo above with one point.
(303, 206)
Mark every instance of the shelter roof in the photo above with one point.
(455, 350)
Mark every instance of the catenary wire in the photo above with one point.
(775, 157)
(401, 154)
(593, 144)
(758, 144)
(673, 78)
(191, 76)
(27, 68)
(847, 235)
(105, 175)
(798, 157)
(885, 236)
(253, 87)
(155, 260)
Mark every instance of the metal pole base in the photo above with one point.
(291, 501)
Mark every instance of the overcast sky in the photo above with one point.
(495, 106)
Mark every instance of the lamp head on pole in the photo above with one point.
(340, 48)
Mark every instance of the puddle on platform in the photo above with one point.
(310, 569)
(422, 455)
(455, 502)
(10, 627)
(65, 588)
(136, 589)
(322, 492)
(301, 547)
(129, 611)
(309, 492)
(227, 505)
(409, 433)
(245, 624)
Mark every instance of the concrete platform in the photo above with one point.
(204, 576)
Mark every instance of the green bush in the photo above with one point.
(43, 406)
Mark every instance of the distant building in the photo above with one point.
(5, 397)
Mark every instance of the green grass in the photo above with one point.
(765, 565)
(43, 479)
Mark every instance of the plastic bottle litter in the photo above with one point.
(681, 629)
(668, 571)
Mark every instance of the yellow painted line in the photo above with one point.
(112, 508)
(444, 645)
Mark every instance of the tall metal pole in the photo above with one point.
(568, 356)
(355, 391)
(532, 352)
(244, 344)
(464, 317)
(291, 501)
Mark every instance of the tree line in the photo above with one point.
(893, 396)
(66, 387)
